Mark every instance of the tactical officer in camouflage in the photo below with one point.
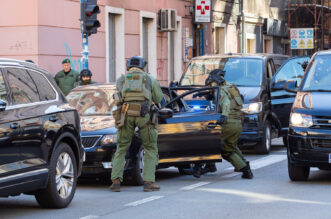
(85, 77)
(137, 90)
(231, 121)
(66, 78)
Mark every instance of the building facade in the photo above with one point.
(47, 31)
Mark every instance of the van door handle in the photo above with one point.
(53, 118)
(14, 126)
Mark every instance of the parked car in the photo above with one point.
(252, 74)
(185, 138)
(40, 146)
(310, 122)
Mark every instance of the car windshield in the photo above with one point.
(239, 71)
(92, 102)
(292, 70)
(318, 77)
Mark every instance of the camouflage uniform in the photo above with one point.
(66, 81)
(148, 134)
(231, 129)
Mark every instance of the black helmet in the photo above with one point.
(136, 61)
(85, 73)
(216, 75)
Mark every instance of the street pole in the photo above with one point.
(85, 48)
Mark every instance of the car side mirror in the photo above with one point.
(291, 86)
(3, 105)
(279, 85)
(165, 113)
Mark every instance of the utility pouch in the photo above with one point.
(120, 119)
(117, 98)
(134, 109)
(117, 114)
(144, 109)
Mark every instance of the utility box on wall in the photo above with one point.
(168, 20)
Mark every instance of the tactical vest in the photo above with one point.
(236, 99)
(236, 102)
(137, 86)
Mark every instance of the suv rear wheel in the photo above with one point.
(264, 146)
(62, 179)
(297, 173)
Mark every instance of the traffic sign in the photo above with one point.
(302, 38)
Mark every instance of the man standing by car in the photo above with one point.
(85, 77)
(66, 78)
(137, 90)
(231, 121)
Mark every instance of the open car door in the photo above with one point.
(191, 134)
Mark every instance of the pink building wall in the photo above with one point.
(47, 31)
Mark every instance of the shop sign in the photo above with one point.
(202, 11)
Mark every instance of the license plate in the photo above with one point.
(329, 158)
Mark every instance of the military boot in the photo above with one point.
(150, 187)
(247, 172)
(197, 171)
(116, 186)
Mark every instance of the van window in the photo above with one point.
(318, 75)
(291, 70)
(239, 71)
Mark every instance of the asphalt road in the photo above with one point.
(216, 195)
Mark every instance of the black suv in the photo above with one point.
(263, 91)
(40, 146)
(309, 139)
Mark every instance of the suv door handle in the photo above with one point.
(53, 118)
(14, 126)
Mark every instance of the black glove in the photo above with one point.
(222, 120)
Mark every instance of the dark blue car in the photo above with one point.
(186, 138)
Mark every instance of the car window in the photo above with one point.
(22, 88)
(3, 91)
(318, 75)
(239, 70)
(270, 69)
(291, 70)
(197, 101)
(46, 91)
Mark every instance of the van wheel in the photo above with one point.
(297, 173)
(62, 179)
(264, 146)
(138, 172)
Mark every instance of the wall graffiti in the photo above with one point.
(76, 64)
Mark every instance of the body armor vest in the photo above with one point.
(137, 86)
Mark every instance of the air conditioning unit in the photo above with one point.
(168, 20)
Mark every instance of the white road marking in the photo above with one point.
(257, 164)
(89, 217)
(194, 186)
(142, 201)
(229, 175)
(258, 197)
